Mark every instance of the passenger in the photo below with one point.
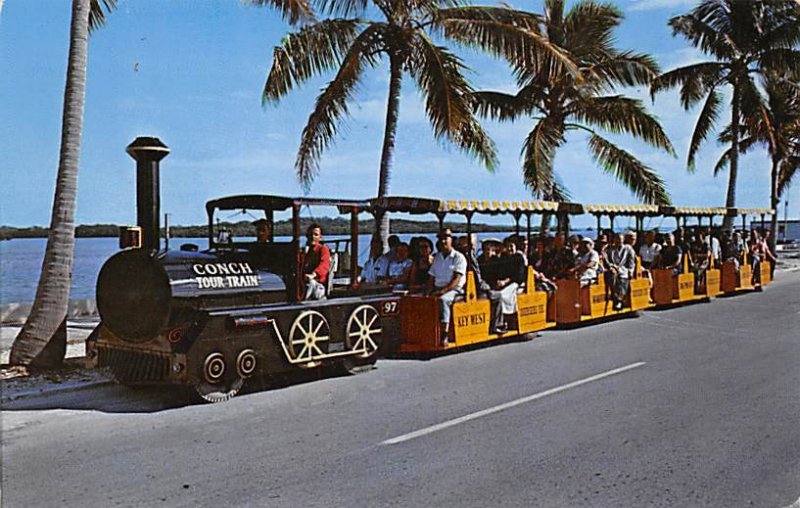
(263, 231)
(420, 268)
(756, 249)
(670, 256)
(316, 264)
(560, 262)
(522, 247)
(713, 244)
(447, 277)
(649, 250)
(393, 242)
(509, 276)
(400, 268)
(536, 253)
(700, 257)
(735, 250)
(600, 247)
(490, 249)
(466, 246)
(587, 262)
(376, 269)
(620, 265)
(768, 254)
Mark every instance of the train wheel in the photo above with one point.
(218, 392)
(364, 334)
(309, 330)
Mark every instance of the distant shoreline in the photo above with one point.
(245, 228)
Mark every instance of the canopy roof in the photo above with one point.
(622, 209)
(279, 203)
(427, 205)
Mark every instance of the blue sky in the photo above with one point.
(191, 73)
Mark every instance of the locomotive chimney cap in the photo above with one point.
(145, 147)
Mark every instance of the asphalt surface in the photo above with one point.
(705, 411)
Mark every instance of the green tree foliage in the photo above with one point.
(580, 96)
(744, 40)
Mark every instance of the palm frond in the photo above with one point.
(498, 106)
(708, 38)
(538, 154)
(619, 114)
(695, 80)
(293, 11)
(97, 12)
(448, 99)
(638, 177)
(705, 124)
(625, 69)
(589, 27)
(513, 37)
(723, 162)
(787, 172)
(312, 50)
(783, 60)
(342, 8)
(331, 105)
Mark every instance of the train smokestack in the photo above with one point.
(148, 153)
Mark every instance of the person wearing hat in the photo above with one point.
(263, 231)
(509, 276)
(490, 248)
(586, 262)
(447, 277)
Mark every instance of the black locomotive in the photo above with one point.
(211, 319)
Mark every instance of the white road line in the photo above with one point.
(507, 405)
(796, 504)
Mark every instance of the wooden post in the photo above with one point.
(353, 246)
(611, 219)
(599, 225)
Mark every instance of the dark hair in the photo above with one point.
(312, 227)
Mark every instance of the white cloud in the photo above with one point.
(650, 5)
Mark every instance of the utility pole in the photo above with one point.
(166, 231)
(785, 220)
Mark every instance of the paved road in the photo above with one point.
(705, 412)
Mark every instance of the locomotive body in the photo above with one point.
(214, 318)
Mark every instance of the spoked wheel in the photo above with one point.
(364, 334)
(307, 336)
(219, 383)
(219, 392)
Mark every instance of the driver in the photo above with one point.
(316, 264)
(263, 231)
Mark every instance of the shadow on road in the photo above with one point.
(114, 398)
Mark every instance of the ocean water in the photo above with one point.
(21, 262)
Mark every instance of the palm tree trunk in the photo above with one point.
(42, 340)
(730, 200)
(774, 201)
(389, 133)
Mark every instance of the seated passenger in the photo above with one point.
(735, 250)
(620, 265)
(376, 267)
(490, 248)
(263, 231)
(560, 261)
(756, 249)
(509, 275)
(649, 250)
(670, 256)
(587, 262)
(316, 264)
(447, 278)
(466, 246)
(419, 269)
(700, 257)
(400, 268)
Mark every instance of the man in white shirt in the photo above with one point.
(649, 250)
(377, 266)
(587, 262)
(447, 278)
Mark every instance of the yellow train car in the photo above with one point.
(420, 327)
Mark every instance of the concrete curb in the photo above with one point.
(54, 390)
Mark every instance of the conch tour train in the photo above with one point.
(210, 319)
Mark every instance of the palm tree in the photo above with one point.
(745, 39)
(560, 101)
(775, 123)
(43, 338)
(403, 34)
